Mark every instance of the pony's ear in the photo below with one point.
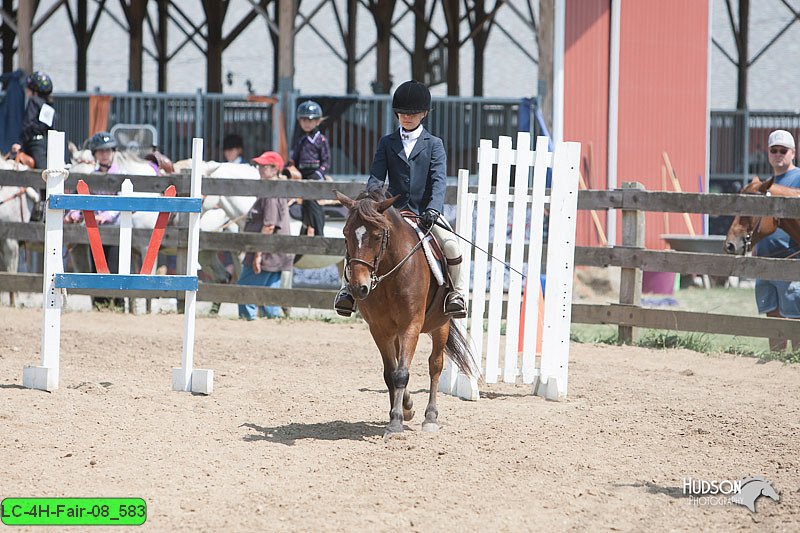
(386, 204)
(764, 187)
(346, 201)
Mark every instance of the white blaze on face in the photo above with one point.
(360, 231)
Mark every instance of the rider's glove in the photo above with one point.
(428, 218)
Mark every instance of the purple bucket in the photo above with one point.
(658, 282)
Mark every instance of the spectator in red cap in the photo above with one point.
(267, 159)
(268, 216)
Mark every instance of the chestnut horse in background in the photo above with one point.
(399, 298)
(746, 231)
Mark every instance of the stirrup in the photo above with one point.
(344, 303)
(454, 305)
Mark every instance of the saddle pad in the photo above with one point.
(433, 253)
(411, 218)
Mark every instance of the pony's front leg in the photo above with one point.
(388, 349)
(400, 375)
(435, 365)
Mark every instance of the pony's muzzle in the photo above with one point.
(360, 291)
(732, 248)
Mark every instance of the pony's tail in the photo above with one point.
(459, 350)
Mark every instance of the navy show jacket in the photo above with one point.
(420, 179)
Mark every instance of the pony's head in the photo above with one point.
(366, 233)
(747, 230)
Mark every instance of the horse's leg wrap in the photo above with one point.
(400, 378)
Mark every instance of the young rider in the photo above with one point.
(416, 164)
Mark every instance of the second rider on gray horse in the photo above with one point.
(416, 164)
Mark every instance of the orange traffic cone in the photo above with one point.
(539, 324)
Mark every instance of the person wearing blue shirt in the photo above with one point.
(780, 298)
(416, 164)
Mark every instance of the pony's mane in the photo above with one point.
(365, 208)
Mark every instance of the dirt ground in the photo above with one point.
(291, 438)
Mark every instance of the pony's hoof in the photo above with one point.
(408, 414)
(393, 434)
(430, 427)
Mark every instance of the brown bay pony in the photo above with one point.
(746, 231)
(399, 299)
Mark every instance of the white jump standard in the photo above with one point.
(45, 377)
(548, 375)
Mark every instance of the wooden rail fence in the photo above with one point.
(630, 255)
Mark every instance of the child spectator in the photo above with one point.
(311, 154)
(267, 216)
(233, 148)
(103, 147)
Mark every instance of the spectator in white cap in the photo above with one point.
(780, 298)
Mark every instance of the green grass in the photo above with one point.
(719, 300)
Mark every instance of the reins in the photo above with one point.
(373, 267)
(481, 249)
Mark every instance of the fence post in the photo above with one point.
(746, 145)
(45, 377)
(199, 109)
(630, 282)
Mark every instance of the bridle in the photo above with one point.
(748, 237)
(375, 279)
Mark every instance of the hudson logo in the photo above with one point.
(744, 491)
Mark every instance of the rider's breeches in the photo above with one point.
(452, 253)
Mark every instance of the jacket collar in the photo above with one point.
(397, 144)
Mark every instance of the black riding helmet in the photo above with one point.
(101, 140)
(411, 97)
(40, 83)
(309, 109)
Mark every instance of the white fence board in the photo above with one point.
(550, 377)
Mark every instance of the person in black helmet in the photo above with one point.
(416, 164)
(40, 116)
(311, 154)
(103, 147)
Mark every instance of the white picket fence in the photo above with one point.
(548, 376)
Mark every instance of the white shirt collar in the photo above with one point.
(412, 135)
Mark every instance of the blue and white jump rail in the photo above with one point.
(56, 282)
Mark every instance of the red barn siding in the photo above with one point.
(662, 99)
(586, 97)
